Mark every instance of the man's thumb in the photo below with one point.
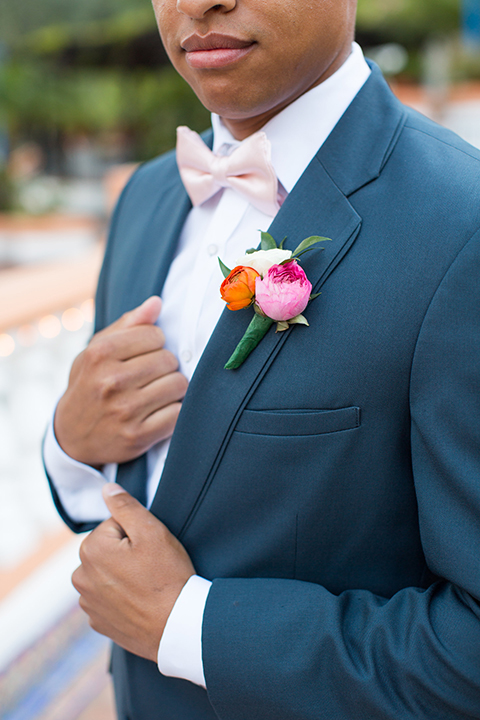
(123, 508)
(145, 314)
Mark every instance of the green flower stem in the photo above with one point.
(258, 327)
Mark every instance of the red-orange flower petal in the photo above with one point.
(238, 288)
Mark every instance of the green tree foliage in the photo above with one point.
(41, 94)
(39, 99)
(409, 22)
(411, 18)
(19, 19)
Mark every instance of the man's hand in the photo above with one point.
(133, 569)
(124, 392)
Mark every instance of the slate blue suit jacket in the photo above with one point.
(330, 487)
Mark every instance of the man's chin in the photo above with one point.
(234, 103)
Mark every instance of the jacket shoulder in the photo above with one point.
(423, 131)
(435, 172)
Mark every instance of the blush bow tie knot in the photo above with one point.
(247, 170)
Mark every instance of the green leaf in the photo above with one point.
(307, 243)
(281, 326)
(259, 326)
(250, 251)
(268, 243)
(313, 296)
(305, 251)
(225, 270)
(280, 247)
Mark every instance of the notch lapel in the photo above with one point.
(216, 397)
(353, 155)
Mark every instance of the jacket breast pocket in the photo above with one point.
(278, 464)
(298, 422)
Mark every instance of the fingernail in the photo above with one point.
(111, 489)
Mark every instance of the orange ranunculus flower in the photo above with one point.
(238, 288)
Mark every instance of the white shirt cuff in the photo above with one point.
(180, 651)
(79, 486)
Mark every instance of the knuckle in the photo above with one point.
(181, 384)
(154, 334)
(77, 579)
(98, 350)
(169, 362)
(78, 362)
(110, 384)
(83, 604)
(170, 417)
(93, 624)
(149, 336)
(123, 409)
(175, 410)
(84, 554)
(131, 436)
(160, 335)
(176, 386)
(135, 442)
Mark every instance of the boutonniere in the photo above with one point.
(273, 282)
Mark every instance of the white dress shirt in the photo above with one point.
(224, 226)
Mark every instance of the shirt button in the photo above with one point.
(212, 249)
(186, 356)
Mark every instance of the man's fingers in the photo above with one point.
(125, 510)
(125, 343)
(113, 530)
(98, 542)
(145, 314)
(147, 368)
(122, 377)
(161, 392)
(160, 424)
(119, 378)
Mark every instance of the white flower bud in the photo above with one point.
(262, 260)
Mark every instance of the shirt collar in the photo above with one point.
(312, 117)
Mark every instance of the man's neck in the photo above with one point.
(297, 133)
(242, 127)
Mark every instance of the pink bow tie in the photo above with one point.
(247, 170)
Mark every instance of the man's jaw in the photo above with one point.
(214, 50)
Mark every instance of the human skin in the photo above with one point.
(246, 60)
(123, 394)
(271, 52)
(132, 571)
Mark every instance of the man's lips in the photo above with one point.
(214, 50)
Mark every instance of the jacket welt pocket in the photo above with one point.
(298, 422)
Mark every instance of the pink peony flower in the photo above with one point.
(284, 292)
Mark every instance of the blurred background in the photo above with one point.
(86, 93)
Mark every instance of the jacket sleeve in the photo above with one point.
(290, 650)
